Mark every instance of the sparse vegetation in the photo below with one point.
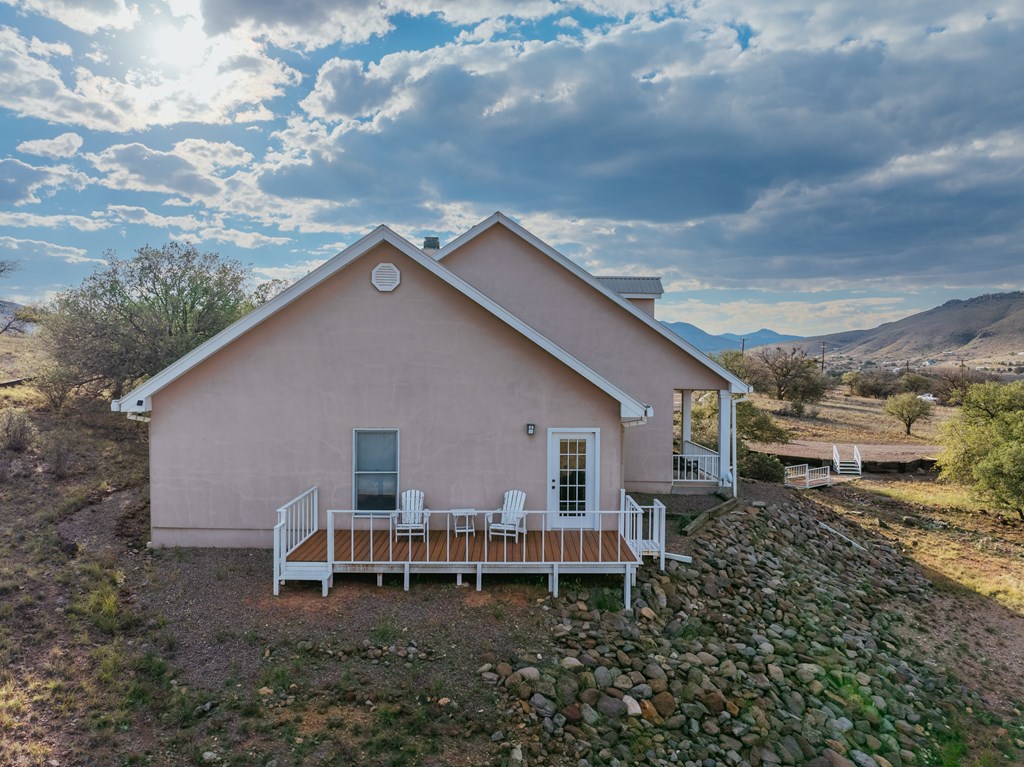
(17, 433)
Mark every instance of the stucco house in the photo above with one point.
(465, 371)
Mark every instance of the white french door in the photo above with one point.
(574, 477)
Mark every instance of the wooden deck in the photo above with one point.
(591, 548)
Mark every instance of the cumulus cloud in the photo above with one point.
(288, 272)
(52, 221)
(796, 317)
(22, 183)
(64, 145)
(225, 77)
(88, 16)
(29, 250)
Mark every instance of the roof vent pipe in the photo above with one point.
(431, 245)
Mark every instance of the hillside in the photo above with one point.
(992, 324)
(712, 344)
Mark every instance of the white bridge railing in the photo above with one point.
(696, 464)
(803, 476)
(297, 520)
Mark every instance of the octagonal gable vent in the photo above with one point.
(385, 277)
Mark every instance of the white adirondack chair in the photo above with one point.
(411, 519)
(510, 520)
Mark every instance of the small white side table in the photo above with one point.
(465, 521)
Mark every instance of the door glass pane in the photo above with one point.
(376, 451)
(572, 478)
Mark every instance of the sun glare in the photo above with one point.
(182, 48)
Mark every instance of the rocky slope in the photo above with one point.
(780, 644)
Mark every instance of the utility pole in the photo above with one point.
(743, 347)
(823, 344)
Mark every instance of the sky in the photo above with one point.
(807, 167)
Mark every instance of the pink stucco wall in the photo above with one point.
(603, 335)
(273, 413)
(646, 305)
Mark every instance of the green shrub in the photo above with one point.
(761, 466)
(16, 430)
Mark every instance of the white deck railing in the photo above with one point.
(631, 524)
(696, 464)
(297, 520)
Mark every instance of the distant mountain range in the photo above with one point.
(992, 324)
(712, 344)
(985, 326)
(8, 308)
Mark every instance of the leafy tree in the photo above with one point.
(752, 424)
(852, 380)
(737, 363)
(133, 317)
(908, 409)
(983, 446)
(790, 374)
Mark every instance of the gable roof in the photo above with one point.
(633, 287)
(139, 400)
(737, 386)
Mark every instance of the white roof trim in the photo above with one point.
(139, 400)
(737, 386)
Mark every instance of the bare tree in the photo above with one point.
(792, 375)
(13, 322)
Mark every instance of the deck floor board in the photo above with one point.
(597, 547)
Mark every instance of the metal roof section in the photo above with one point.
(737, 386)
(633, 287)
(140, 399)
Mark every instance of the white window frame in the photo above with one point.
(396, 472)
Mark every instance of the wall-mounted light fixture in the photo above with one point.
(530, 429)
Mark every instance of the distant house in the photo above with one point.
(490, 364)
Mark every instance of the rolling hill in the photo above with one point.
(992, 324)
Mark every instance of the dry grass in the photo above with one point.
(847, 419)
(946, 529)
(19, 355)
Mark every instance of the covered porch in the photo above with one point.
(310, 544)
(695, 465)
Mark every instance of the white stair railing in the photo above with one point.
(853, 466)
(297, 520)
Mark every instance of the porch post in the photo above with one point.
(686, 431)
(724, 435)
